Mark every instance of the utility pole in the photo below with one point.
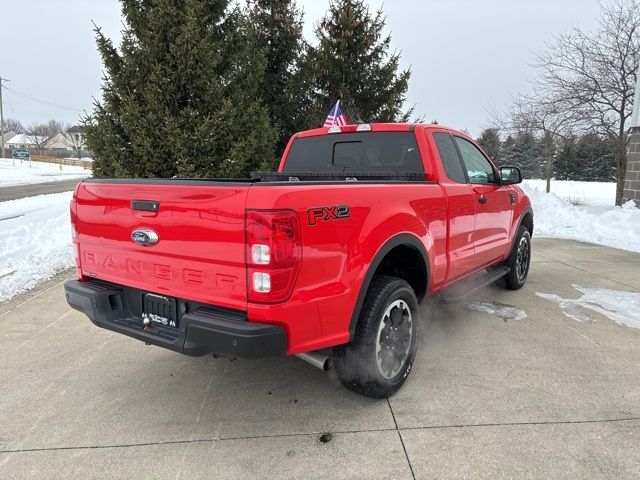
(1, 119)
(635, 116)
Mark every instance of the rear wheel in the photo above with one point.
(378, 360)
(519, 260)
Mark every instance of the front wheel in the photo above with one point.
(378, 360)
(519, 260)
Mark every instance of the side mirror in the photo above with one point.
(510, 175)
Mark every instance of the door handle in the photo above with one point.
(483, 199)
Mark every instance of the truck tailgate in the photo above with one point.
(199, 225)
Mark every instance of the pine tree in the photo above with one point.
(567, 159)
(595, 159)
(277, 25)
(524, 151)
(180, 95)
(506, 151)
(352, 62)
(490, 142)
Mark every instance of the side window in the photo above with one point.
(449, 156)
(479, 169)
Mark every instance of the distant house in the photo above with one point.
(70, 140)
(59, 141)
(76, 134)
(8, 136)
(22, 140)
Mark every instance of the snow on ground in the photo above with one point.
(621, 306)
(579, 193)
(591, 218)
(35, 241)
(500, 310)
(38, 172)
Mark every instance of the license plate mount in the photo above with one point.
(160, 310)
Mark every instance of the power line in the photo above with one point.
(22, 110)
(42, 101)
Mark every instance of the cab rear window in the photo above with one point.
(355, 152)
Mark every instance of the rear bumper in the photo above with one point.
(201, 330)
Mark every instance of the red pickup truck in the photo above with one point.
(326, 259)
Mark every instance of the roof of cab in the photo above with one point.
(377, 127)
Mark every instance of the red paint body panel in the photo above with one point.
(336, 254)
(201, 252)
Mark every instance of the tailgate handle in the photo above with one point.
(145, 205)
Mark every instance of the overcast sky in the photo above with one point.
(467, 56)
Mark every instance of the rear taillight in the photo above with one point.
(73, 210)
(273, 255)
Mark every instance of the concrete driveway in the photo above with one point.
(543, 397)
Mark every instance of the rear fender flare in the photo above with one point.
(398, 240)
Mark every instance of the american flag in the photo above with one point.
(336, 117)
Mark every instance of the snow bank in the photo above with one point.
(38, 172)
(35, 241)
(579, 193)
(617, 227)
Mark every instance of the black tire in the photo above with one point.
(519, 260)
(379, 358)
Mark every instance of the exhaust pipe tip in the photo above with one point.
(317, 359)
(328, 365)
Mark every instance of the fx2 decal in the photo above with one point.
(324, 214)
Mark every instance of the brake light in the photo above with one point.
(73, 210)
(273, 254)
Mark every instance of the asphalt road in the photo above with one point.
(543, 397)
(23, 191)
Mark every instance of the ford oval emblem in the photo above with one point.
(144, 237)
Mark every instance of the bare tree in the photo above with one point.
(12, 125)
(586, 80)
(55, 126)
(536, 114)
(40, 133)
